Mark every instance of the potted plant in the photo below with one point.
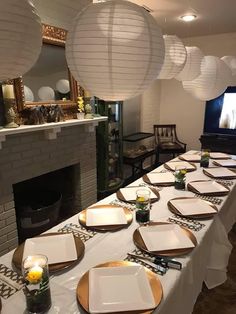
(80, 113)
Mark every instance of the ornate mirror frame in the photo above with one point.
(54, 36)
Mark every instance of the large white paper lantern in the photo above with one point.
(20, 38)
(213, 80)
(115, 49)
(63, 86)
(46, 93)
(192, 66)
(175, 57)
(231, 62)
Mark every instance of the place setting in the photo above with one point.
(219, 155)
(220, 173)
(171, 165)
(127, 287)
(190, 157)
(208, 188)
(129, 194)
(225, 163)
(106, 217)
(70, 253)
(159, 178)
(192, 207)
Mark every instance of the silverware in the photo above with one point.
(77, 229)
(160, 269)
(160, 261)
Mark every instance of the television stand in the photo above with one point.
(219, 142)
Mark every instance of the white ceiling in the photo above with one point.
(214, 16)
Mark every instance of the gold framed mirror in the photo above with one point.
(39, 86)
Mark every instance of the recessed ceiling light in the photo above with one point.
(188, 17)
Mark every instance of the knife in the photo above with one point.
(161, 269)
(160, 260)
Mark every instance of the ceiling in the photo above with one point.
(213, 16)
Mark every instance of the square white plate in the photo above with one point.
(129, 194)
(220, 172)
(208, 187)
(115, 289)
(164, 177)
(58, 248)
(191, 157)
(104, 216)
(192, 206)
(165, 237)
(225, 162)
(173, 164)
(219, 155)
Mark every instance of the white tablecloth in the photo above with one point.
(207, 262)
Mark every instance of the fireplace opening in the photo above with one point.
(44, 201)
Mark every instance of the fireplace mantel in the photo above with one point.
(51, 129)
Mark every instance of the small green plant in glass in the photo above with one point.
(180, 177)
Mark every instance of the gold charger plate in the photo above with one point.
(192, 160)
(221, 177)
(153, 200)
(82, 290)
(146, 179)
(188, 170)
(192, 189)
(18, 254)
(138, 241)
(128, 215)
(174, 210)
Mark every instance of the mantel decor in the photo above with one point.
(52, 37)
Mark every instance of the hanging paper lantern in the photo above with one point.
(192, 66)
(231, 63)
(175, 57)
(46, 93)
(20, 38)
(63, 86)
(115, 49)
(213, 80)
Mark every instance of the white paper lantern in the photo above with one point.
(46, 93)
(29, 96)
(175, 57)
(231, 63)
(192, 67)
(213, 80)
(20, 38)
(63, 86)
(115, 49)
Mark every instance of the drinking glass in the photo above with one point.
(36, 289)
(205, 156)
(180, 177)
(143, 201)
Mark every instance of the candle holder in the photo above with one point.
(143, 200)
(205, 156)
(36, 289)
(180, 177)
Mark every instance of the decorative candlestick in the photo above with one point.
(36, 289)
(9, 101)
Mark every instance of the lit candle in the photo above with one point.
(8, 92)
(34, 274)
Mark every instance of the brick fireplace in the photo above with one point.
(31, 154)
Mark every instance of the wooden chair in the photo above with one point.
(166, 140)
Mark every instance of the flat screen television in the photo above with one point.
(220, 113)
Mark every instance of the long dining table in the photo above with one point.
(207, 262)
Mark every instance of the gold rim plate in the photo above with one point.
(82, 291)
(215, 162)
(188, 170)
(174, 210)
(193, 160)
(138, 241)
(146, 179)
(18, 254)
(153, 200)
(192, 189)
(128, 215)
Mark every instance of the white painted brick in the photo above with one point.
(12, 235)
(8, 229)
(20, 148)
(2, 224)
(9, 205)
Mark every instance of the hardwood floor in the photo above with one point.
(222, 299)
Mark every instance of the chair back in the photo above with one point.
(164, 133)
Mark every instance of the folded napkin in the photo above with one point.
(10, 282)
